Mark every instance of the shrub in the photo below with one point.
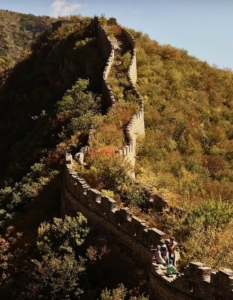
(78, 98)
(107, 172)
(119, 293)
(131, 194)
(107, 193)
(214, 247)
(63, 235)
(214, 213)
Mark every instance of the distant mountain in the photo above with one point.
(17, 30)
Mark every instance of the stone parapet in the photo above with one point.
(136, 125)
(198, 280)
(106, 208)
(132, 72)
(107, 49)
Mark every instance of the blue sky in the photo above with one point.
(202, 27)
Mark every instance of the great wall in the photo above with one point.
(198, 281)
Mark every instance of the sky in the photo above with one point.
(202, 27)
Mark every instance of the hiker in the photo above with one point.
(171, 249)
(171, 269)
(158, 256)
(168, 244)
(164, 252)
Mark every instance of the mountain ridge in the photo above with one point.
(186, 153)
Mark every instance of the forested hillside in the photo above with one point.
(187, 153)
(48, 102)
(189, 116)
(16, 33)
(56, 95)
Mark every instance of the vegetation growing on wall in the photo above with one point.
(103, 170)
(186, 153)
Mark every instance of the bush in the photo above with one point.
(211, 213)
(131, 194)
(119, 293)
(107, 193)
(78, 98)
(107, 172)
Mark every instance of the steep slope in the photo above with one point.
(57, 83)
(17, 31)
(51, 98)
(212, 218)
(186, 155)
(188, 114)
(39, 82)
(49, 125)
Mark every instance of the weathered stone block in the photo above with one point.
(69, 158)
(155, 235)
(107, 203)
(124, 214)
(94, 195)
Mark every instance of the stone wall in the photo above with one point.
(198, 281)
(136, 125)
(107, 49)
(102, 210)
(133, 65)
(104, 41)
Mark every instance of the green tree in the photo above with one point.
(206, 233)
(211, 213)
(63, 235)
(78, 98)
(119, 293)
(55, 274)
